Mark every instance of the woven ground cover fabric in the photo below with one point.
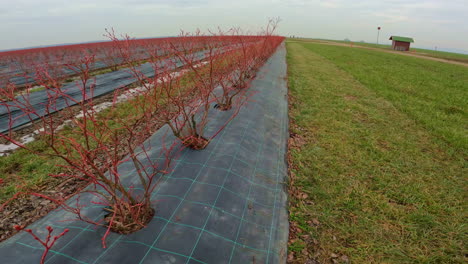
(224, 204)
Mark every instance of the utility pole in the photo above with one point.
(378, 32)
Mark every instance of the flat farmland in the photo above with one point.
(437, 54)
(378, 154)
(43, 154)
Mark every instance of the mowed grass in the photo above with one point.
(383, 156)
(442, 54)
(24, 170)
(430, 53)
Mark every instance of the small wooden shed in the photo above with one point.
(401, 43)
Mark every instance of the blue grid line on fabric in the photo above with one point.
(217, 208)
(107, 249)
(214, 234)
(218, 186)
(162, 250)
(241, 176)
(156, 191)
(238, 175)
(72, 227)
(175, 223)
(272, 227)
(219, 192)
(53, 251)
(222, 187)
(69, 242)
(283, 124)
(190, 226)
(181, 160)
(79, 234)
(214, 185)
(247, 200)
(185, 195)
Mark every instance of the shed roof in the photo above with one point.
(404, 39)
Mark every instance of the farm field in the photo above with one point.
(149, 164)
(66, 101)
(450, 56)
(379, 152)
(82, 131)
(235, 132)
(236, 182)
(50, 73)
(19, 66)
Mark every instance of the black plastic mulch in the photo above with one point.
(104, 84)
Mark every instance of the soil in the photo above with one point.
(197, 142)
(24, 209)
(125, 225)
(223, 107)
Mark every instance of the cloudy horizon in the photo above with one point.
(432, 23)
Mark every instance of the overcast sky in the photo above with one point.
(441, 23)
